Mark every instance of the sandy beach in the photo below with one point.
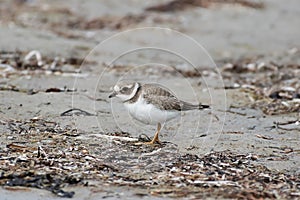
(61, 136)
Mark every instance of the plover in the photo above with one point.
(151, 103)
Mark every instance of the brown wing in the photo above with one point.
(163, 99)
(157, 90)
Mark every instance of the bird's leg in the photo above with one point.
(155, 138)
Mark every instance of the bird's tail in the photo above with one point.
(203, 106)
(189, 106)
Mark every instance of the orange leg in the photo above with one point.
(155, 138)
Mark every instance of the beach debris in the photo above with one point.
(45, 156)
(264, 137)
(31, 63)
(179, 5)
(41, 181)
(77, 112)
(109, 22)
(233, 132)
(287, 126)
(172, 70)
(71, 20)
(33, 59)
(34, 91)
(65, 89)
(273, 88)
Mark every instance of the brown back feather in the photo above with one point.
(162, 98)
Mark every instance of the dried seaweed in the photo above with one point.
(274, 88)
(178, 5)
(166, 71)
(43, 181)
(44, 18)
(77, 112)
(52, 158)
(279, 107)
(287, 126)
(110, 22)
(32, 63)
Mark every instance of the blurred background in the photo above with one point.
(226, 28)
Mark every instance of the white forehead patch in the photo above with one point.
(129, 86)
(116, 88)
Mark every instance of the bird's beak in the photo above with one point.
(112, 94)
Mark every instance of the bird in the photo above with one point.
(151, 103)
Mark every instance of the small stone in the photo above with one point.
(10, 137)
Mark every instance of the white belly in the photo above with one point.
(148, 113)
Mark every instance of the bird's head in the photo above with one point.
(125, 90)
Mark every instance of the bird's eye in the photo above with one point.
(124, 89)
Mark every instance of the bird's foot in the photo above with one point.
(152, 142)
(147, 143)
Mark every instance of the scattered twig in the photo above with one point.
(233, 112)
(42, 153)
(233, 132)
(178, 5)
(119, 138)
(150, 153)
(76, 111)
(215, 183)
(296, 122)
(35, 54)
(16, 147)
(96, 99)
(278, 125)
(264, 137)
(60, 90)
